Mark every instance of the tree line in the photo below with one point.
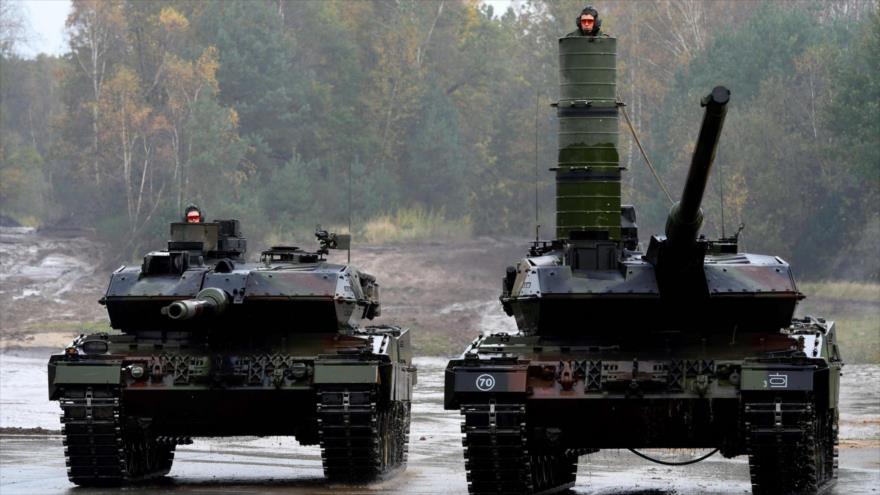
(269, 110)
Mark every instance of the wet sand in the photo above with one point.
(34, 464)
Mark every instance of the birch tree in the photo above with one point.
(132, 135)
(96, 28)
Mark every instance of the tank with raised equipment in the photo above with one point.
(690, 344)
(208, 344)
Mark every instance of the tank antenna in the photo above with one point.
(349, 211)
(645, 155)
(721, 188)
(537, 225)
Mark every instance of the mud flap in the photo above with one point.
(329, 373)
(61, 374)
(777, 378)
(463, 382)
(497, 381)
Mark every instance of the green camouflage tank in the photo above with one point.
(688, 344)
(209, 344)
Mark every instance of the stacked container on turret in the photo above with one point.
(588, 172)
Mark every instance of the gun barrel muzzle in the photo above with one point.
(208, 301)
(190, 308)
(685, 219)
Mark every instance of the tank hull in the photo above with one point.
(125, 410)
(580, 395)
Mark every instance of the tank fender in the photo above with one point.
(483, 380)
(793, 381)
(344, 372)
(767, 377)
(63, 373)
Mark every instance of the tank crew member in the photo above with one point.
(588, 23)
(193, 214)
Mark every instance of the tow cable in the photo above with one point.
(667, 463)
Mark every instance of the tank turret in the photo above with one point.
(203, 272)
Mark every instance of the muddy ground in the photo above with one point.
(32, 461)
(50, 285)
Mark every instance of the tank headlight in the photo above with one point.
(298, 371)
(734, 378)
(95, 347)
(136, 370)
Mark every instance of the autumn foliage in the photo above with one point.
(266, 110)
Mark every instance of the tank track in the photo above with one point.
(792, 447)
(404, 409)
(361, 440)
(497, 458)
(102, 450)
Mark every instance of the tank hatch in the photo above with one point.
(218, 239)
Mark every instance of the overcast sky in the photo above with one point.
(46, 26)
(46, 19)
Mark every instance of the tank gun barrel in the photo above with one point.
(686, 218)
(207, 302)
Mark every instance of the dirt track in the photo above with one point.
(48, 287)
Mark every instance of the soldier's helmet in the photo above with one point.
(193, 214)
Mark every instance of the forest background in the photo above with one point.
(263, 110)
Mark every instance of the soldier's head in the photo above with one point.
(588, 21)
(193, 214)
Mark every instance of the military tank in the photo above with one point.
(208, 344)
(689, 344)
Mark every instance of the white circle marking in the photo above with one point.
(485, 382)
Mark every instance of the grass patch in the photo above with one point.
(855, 308)
(859, 339)
(856, 291)
(416, 224)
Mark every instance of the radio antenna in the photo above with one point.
(721, 187)
(537, 225)
(349, 212)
